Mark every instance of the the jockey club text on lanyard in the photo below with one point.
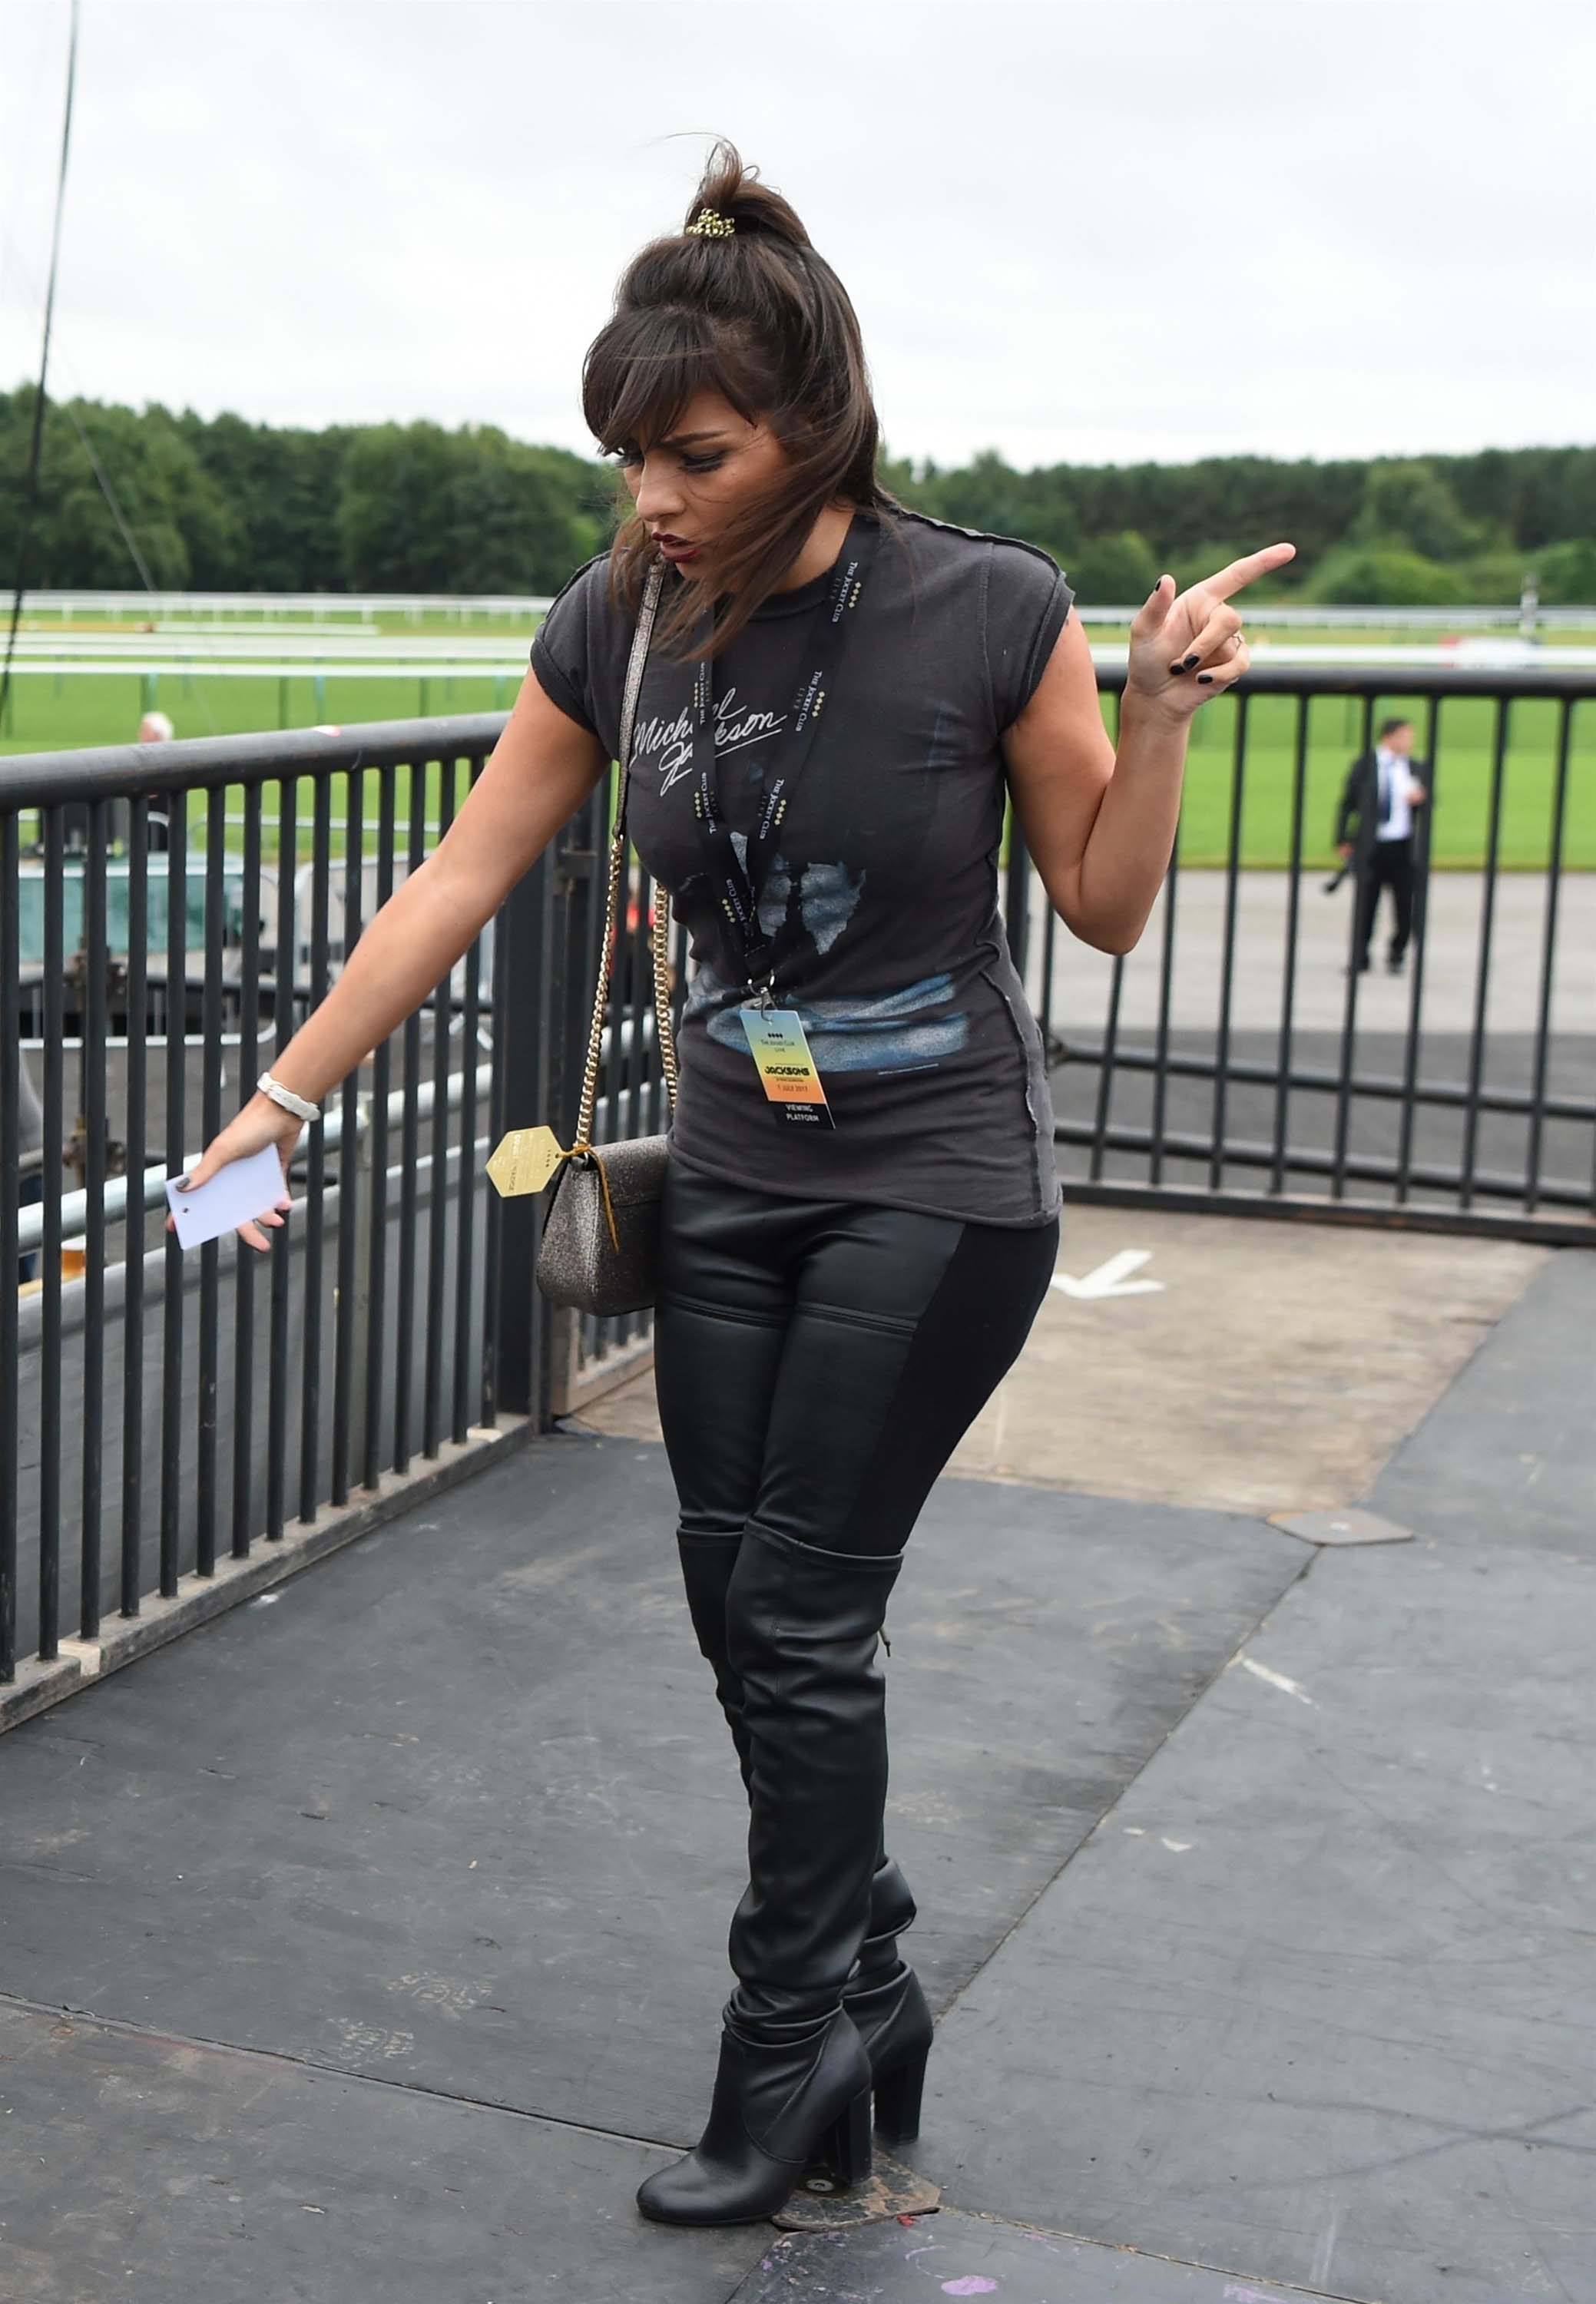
(786, 1069)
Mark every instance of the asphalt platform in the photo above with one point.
(367, 1945)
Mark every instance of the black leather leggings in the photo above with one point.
(818, 1361)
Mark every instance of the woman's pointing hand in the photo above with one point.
(1187, 646)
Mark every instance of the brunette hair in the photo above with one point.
(1397, 720)
(759, 315)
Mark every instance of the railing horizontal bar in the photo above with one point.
(154, 1260)
(503, 664)
(31, 1220)
(199, 763)
(73, 1204)
(1441, 1093)
(1294, 1208)
(1377, 681)
(1311, 1162)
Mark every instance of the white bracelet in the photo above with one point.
(286, 1097)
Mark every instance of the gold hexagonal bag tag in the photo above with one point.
(525, 1160)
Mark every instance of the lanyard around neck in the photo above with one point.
(735, 883)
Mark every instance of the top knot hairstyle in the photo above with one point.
(746, 305)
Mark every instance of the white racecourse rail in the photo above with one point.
(336, 605)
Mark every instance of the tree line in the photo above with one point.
(221, 504)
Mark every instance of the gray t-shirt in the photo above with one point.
(883, 898)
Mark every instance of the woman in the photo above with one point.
(862, 1213)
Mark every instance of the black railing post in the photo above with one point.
(581, 861)
(522, 1033)
(544, 991)
(10, 1067)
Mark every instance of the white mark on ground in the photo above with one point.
(369, 2039)
(1111, 1278)
(1277, 1680)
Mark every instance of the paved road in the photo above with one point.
(1082, 976)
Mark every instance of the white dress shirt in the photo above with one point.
(1396, 786)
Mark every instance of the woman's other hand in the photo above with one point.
(1187, 646)
(260, 1123)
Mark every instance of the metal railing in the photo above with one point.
(1237, 1057)
(175, 1430)
(362, 605)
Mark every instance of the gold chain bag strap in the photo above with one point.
(600, 1246)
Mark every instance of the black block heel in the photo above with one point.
(847, 2145)
(897, 2099)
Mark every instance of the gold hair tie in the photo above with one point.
(710, 225)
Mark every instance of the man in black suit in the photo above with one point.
(1381, 793)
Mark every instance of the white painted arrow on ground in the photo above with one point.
(1113, 1278)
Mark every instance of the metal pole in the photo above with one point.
(360, 1294)
(525, 1025)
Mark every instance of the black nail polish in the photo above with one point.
(1177, 667)
(1205, 677)
(1187, 662)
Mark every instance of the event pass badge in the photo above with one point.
(786, 1069)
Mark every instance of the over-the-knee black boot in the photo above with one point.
(883, 1995)
(707, 1564)
(802, 1627)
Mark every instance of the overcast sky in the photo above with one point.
(1076, 233)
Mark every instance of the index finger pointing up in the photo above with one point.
(1252, 564)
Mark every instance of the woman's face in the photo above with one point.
(685, 487)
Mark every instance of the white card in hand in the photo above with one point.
(235, 1195)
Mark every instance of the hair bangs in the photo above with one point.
(643, 370)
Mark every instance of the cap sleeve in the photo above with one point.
(568, 653)
(1027, 602)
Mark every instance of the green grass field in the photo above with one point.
(50, 713)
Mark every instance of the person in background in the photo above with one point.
(155, 728)
(1381, 793)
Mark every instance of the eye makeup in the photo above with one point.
(627, 457)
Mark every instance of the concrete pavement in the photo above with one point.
(1456, 903)
(366, 1948)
